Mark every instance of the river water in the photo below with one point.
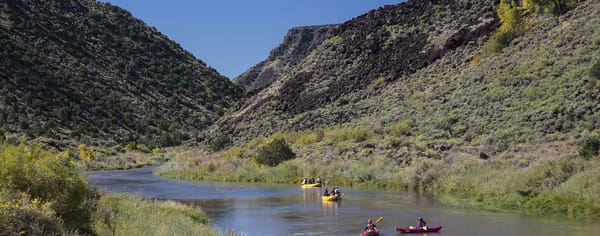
(276, 209)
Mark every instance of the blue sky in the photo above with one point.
(233, 35)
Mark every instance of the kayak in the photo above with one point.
(310, 185)
(425, 229)
(331, 198)
(371, 233)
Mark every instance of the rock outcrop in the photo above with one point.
(383, 46)
(295, 46)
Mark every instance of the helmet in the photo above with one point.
(420, 218)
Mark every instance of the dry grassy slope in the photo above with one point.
(83, 71)
(536, 90)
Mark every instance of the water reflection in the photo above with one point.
(309, 194)
(330, 208)
(218, 208)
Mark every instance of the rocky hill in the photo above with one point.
(295, 46)
(420, 63)
(83, 71)
(382, 47)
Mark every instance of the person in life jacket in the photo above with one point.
(421, 223)
(370, 226)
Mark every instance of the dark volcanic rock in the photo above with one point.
(382, 46)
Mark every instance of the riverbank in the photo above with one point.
(545, 178)
(43, 192)
(131, 215)
(291, 210)
(125, 160)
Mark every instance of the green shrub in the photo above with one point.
(220, 143)
(547, 176)
(233, 152)
(595, 70)
(401, 129)
(320, 135)
(589, 148)
(356, 135)
(307, 139)
(142, 147)
(563, 204)
(273, 153)
(499, 41)
(555, 7)
(130, 147)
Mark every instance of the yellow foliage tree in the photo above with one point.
(65, 155)
(510, 16)
(512, 26)
(528, 4)
(556, 7)
(86, 153)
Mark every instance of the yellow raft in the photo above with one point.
(310, 185)
(331, 198)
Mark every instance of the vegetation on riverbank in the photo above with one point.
(552, 177)
(124, 215)
(42, 192)
(126, 160)
(568, 184)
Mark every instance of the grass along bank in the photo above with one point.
(42, 192)
(127, 215)
(544, 178)
(125, 160)
(131, 156)
(567, 184)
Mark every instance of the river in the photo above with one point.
(280, 209)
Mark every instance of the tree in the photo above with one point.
(273, 153)
(555, 7)
(589, 148)
(86, 153)
(220, 143)
(510, 16)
